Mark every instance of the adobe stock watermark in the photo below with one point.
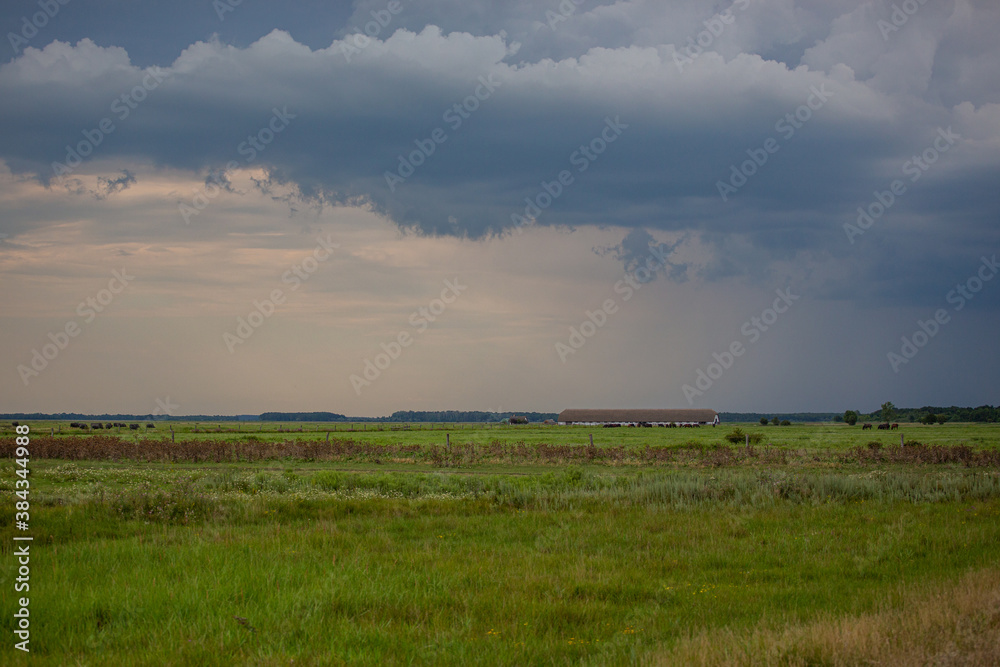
(899, 16)
(264, 309)
(929, 328)
(87, 310)
(223, 7)
(714, 27)
(357, 41)
(420, 320)
(250, 149)
(38, 20)
(165, 408)
(752, 330)
(454, 116)
(581, 158)
(122, 107)
(565, 9)
(787, 125)
(915, 167)
(626, 287)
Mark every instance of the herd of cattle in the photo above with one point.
(882, 427)
(97, 425)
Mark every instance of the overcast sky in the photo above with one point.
(362, 207)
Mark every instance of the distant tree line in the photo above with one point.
(926, 415)
(887, 412)
(302, 417)
(466, 416)
(780, 416)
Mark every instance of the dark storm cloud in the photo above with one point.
(763, 146)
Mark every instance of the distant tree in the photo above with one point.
(851, 417)
(776, 421)
(941, 418)
(763, 421)
(888, 411)
(785, 422)
(929, 419)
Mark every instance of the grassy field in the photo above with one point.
(819, 544)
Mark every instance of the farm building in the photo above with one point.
(637, 417)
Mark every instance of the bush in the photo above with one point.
(776, 421)
(763, 421)
(785, 422)
(738, 437)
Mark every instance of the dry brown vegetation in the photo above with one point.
(116, 448)
(956, 624)
(915, 452)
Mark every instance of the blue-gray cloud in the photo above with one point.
(762, 146)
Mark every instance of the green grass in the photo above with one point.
(353, 562)
(811, 436)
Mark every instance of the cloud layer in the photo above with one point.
(849, 149)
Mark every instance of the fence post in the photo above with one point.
(328, 437)
(172, 434)
(900, 438)
(591, 439)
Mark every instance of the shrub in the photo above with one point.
(738, 437)
(763, 421)
(785, 422)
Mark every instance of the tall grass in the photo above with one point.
(243, 551)
(951, 624)
(392, 581)
(250, 449)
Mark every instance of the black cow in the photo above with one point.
(151, 425)
(883, 427)
(133, 427)
(97, 425)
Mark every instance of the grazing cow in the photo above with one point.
(866, 427)
(97, 425)
(133, 427)
(883, 427)
(150, 425)
(15, 424)
(894, 427)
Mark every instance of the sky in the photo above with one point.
(231, 207)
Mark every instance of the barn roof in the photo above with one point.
(638, 415)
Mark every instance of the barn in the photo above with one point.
(637, 417)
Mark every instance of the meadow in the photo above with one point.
(473, 544)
